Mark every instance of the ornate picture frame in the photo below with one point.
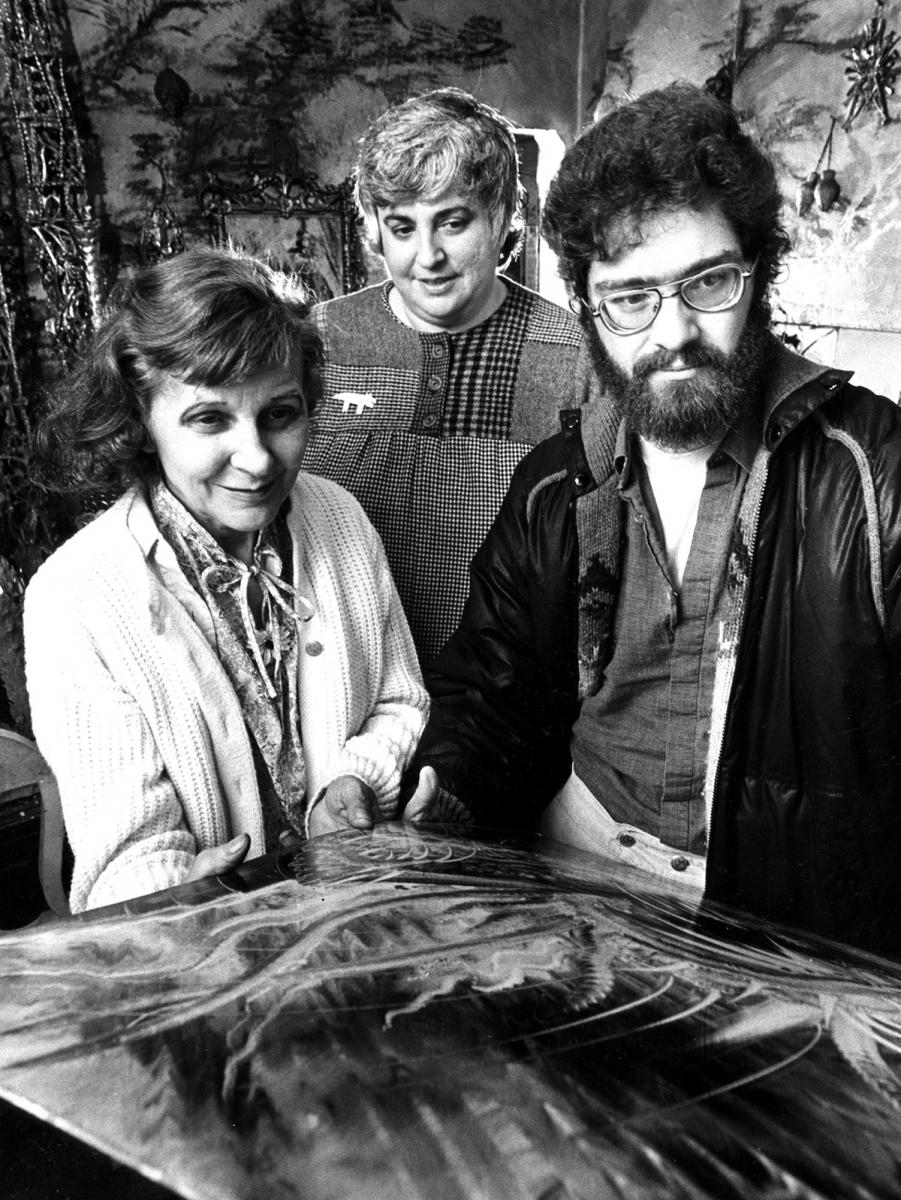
(294, 222)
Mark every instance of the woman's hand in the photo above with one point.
(420, 803)
(219, 859)
(348, 803)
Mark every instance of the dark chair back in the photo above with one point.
(22, 772)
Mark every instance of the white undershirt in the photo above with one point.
(676, 479)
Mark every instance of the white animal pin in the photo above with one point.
(360, 400)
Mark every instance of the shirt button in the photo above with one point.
(313, 648)
(434, 383)
(679, 864)
(626, 839)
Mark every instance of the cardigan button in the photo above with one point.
(679, 864)
(313, 649)
(626, 839)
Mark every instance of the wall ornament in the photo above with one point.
(61, 228)
(823, 188)
(873, 65)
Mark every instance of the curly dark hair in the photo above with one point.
(676, 147)
(208, 317)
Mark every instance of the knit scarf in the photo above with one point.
(599, 526)
(261, 662)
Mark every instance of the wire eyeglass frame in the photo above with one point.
(663, 291)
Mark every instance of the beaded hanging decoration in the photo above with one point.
(60, 224)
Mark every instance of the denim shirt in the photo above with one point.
(640, 744)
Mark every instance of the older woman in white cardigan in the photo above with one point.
(220, 658)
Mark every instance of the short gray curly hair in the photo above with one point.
(429, 143)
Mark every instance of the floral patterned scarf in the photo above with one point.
(260, 660)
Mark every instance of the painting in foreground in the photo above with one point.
(421, 1018)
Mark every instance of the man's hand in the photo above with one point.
(417, 807)
(219, 859)
(348, 803)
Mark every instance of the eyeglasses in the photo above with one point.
(631, 311)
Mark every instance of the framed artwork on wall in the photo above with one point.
(293, 222)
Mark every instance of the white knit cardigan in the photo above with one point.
(136, 716)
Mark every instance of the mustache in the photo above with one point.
(692, 355)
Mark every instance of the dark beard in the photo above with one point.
(690, 412)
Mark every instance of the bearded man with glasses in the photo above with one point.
(682, 639)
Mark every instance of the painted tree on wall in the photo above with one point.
(789, 66)
(227, 84)
(758, 32)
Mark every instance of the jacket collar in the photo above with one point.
(794, 387)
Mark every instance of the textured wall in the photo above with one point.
(293, 83)
(845, 267)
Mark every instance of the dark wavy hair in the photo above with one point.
(676, 147)
(207, 317)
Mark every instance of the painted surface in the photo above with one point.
(177, 89)
(846, 266)
(417, 1018)
(291, 84)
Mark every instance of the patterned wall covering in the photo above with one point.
(178, 89)
(790, 82)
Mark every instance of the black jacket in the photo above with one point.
(806, 810)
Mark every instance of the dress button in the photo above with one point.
(429, 420)
(313, 648)
(434, 383)
(626, 839)
(438, 350)
(679, 864)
